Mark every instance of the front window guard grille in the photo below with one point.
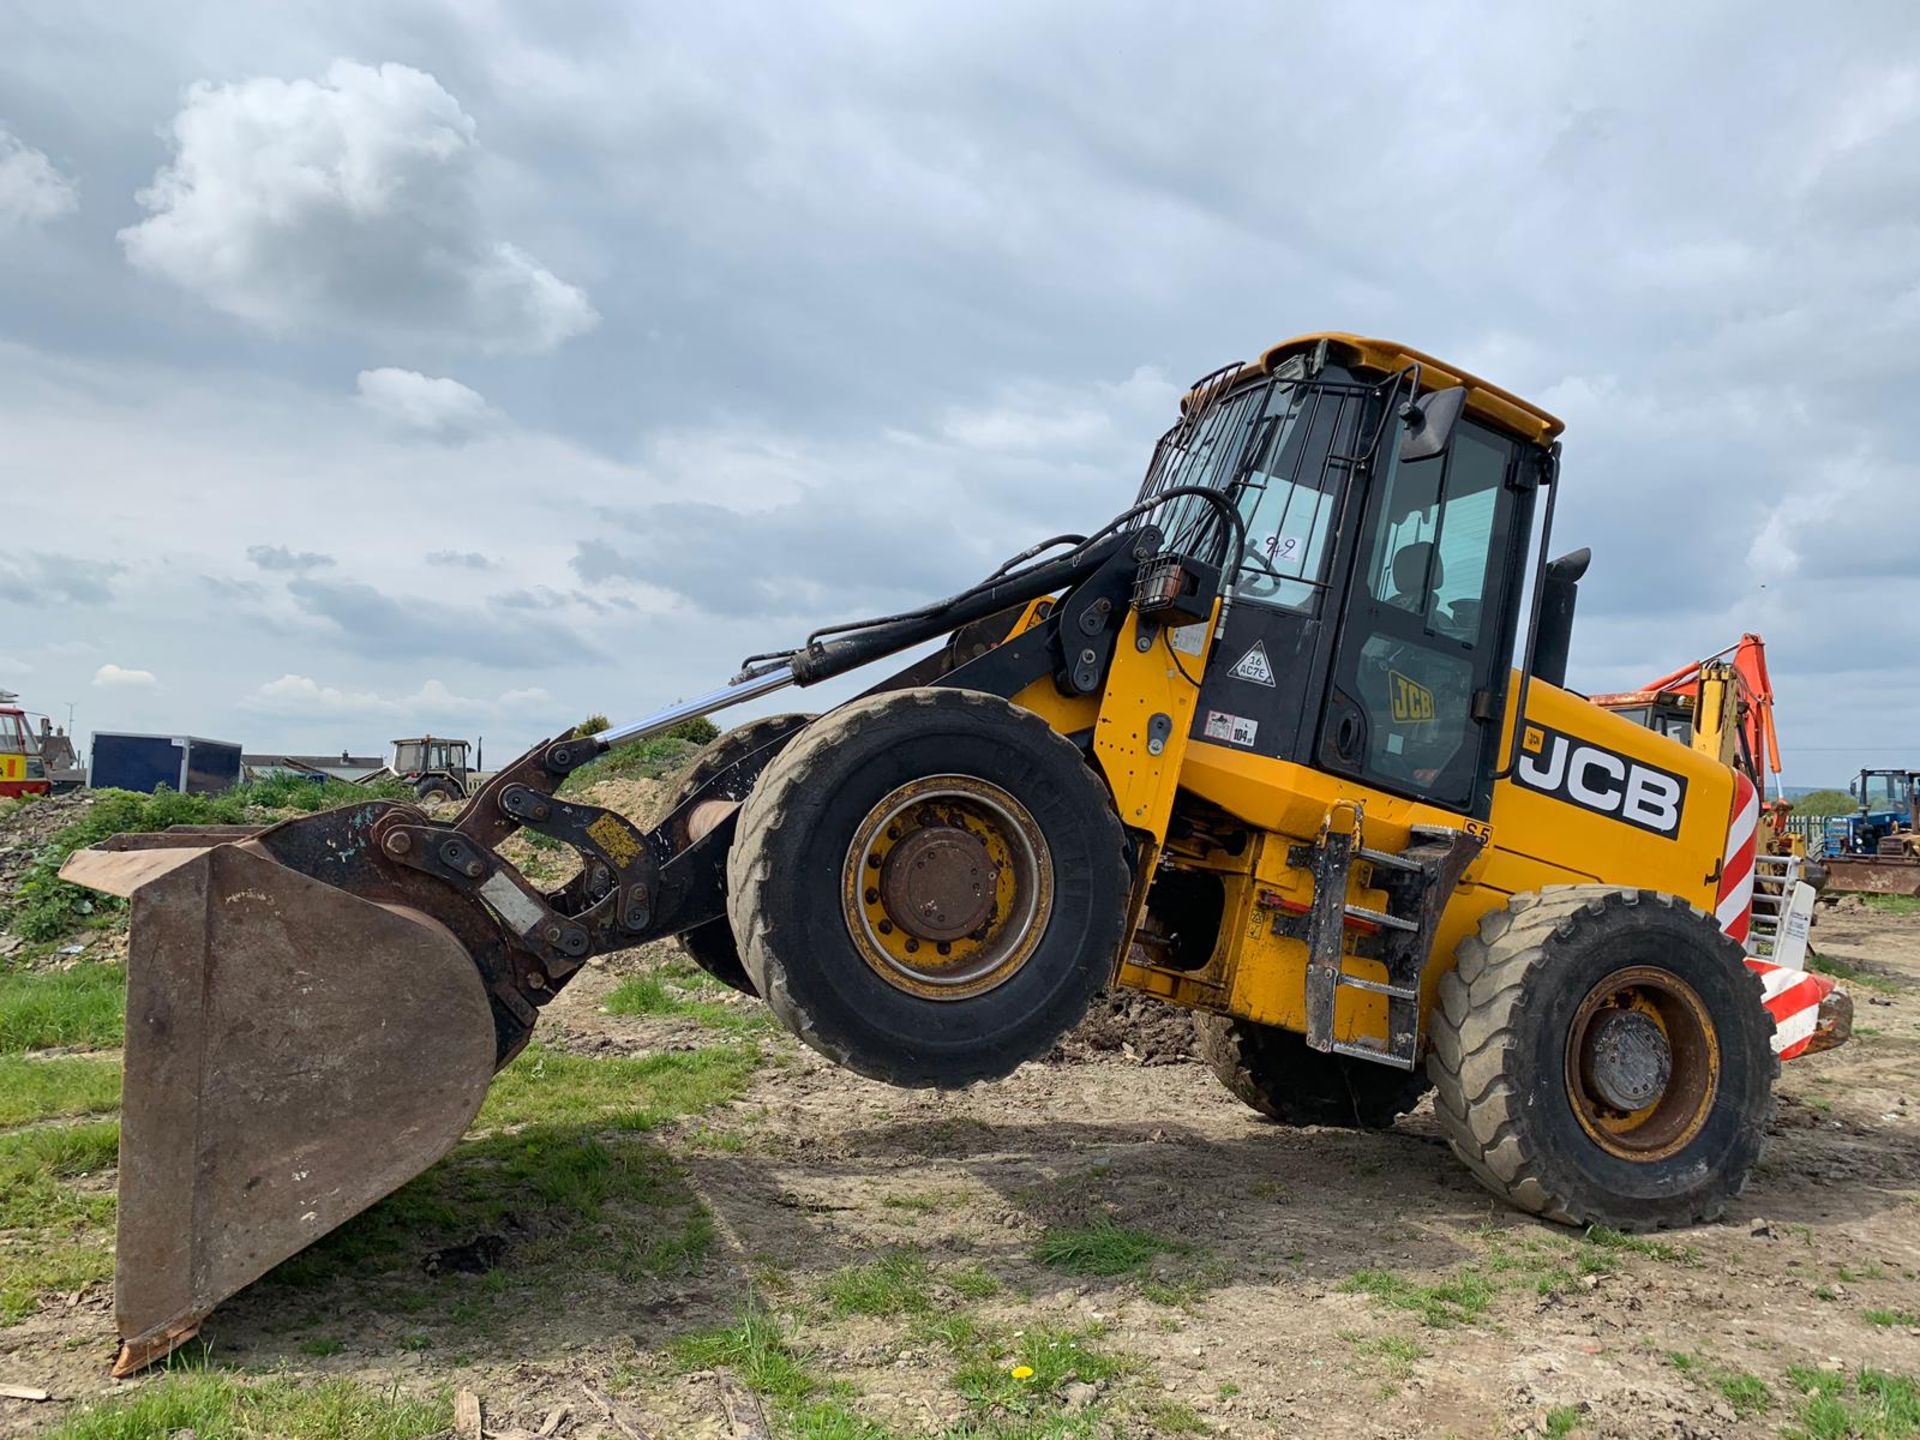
(1301, 435)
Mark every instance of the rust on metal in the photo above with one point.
(938, 883)
(262, 1105)
(1872, 874)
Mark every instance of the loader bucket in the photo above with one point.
(293, 1054)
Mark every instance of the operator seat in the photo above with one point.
(1417, 573)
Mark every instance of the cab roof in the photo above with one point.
(1485, 400)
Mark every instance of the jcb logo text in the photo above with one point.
(1598, 779)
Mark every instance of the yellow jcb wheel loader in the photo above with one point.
(1255, 746)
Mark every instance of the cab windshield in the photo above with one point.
(1281, 446)
(1887, 792)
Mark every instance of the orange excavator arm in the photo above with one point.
(1748, 660)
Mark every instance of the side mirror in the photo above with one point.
(1853, 787)
(1429, 423)
(1554, 638)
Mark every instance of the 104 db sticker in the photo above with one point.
(1234, 729)
(1601, 780)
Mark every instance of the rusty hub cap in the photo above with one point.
(1643, 1063)
(947, 887)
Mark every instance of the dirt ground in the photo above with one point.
(1305, 1280)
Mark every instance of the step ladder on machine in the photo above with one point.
(1418, 881)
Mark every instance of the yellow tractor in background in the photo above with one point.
(1256, 746)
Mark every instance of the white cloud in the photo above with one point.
(10, 667)
(32, 191)
(349, 202)
(116, 677)
(434, 702)
(432, 405)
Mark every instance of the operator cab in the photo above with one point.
(1376, 483)
(428, 755)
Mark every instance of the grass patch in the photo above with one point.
(49, 1089)
(553, 1087)
(1396, 1353)
(647, 759)
(60, 1236)
(1873, 1405)
(1747, 1394)
(1101, 1249)
(581, 1188)
(686, 992)
(1894, 904)
(1057, 1356)
(896, 1284)
(549, 1200)
(920, 1204)
(1890, 1317)
(82, 1006)
(1459, 1300)
(218, 1406)
(1838, 969)
(755, 1349)
(1170, 1417)
(1606, 1239)
(1562, 1420)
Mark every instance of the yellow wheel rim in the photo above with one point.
(947, 887)
(1643, 1063)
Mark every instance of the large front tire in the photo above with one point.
(1603, 1056)
(929, 886)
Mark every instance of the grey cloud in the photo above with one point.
(369, 622)
(281, 559)
(811, 558)
(40, 579)
(544, 598)
(462, 560)
(234, 589)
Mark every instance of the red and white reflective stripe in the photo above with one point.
(1734, 907)
(1793, 999)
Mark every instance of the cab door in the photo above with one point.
(1420, 670)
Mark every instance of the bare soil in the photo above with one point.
(1253, 1328)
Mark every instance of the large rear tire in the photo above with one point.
(1602, 1056)
(711, 946)
(929, 886)
(1288, 1081)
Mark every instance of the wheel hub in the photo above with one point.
(938, 883)
(947, 887)
(1642, 1063)
(1630, 1060)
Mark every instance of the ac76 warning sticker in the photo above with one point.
(1234, 729)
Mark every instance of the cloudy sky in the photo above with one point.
(367, 367)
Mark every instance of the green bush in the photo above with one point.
(592, 725)
(1826, 802)
(699, 730)
(45, 907)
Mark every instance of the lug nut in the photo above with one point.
(872, 896)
